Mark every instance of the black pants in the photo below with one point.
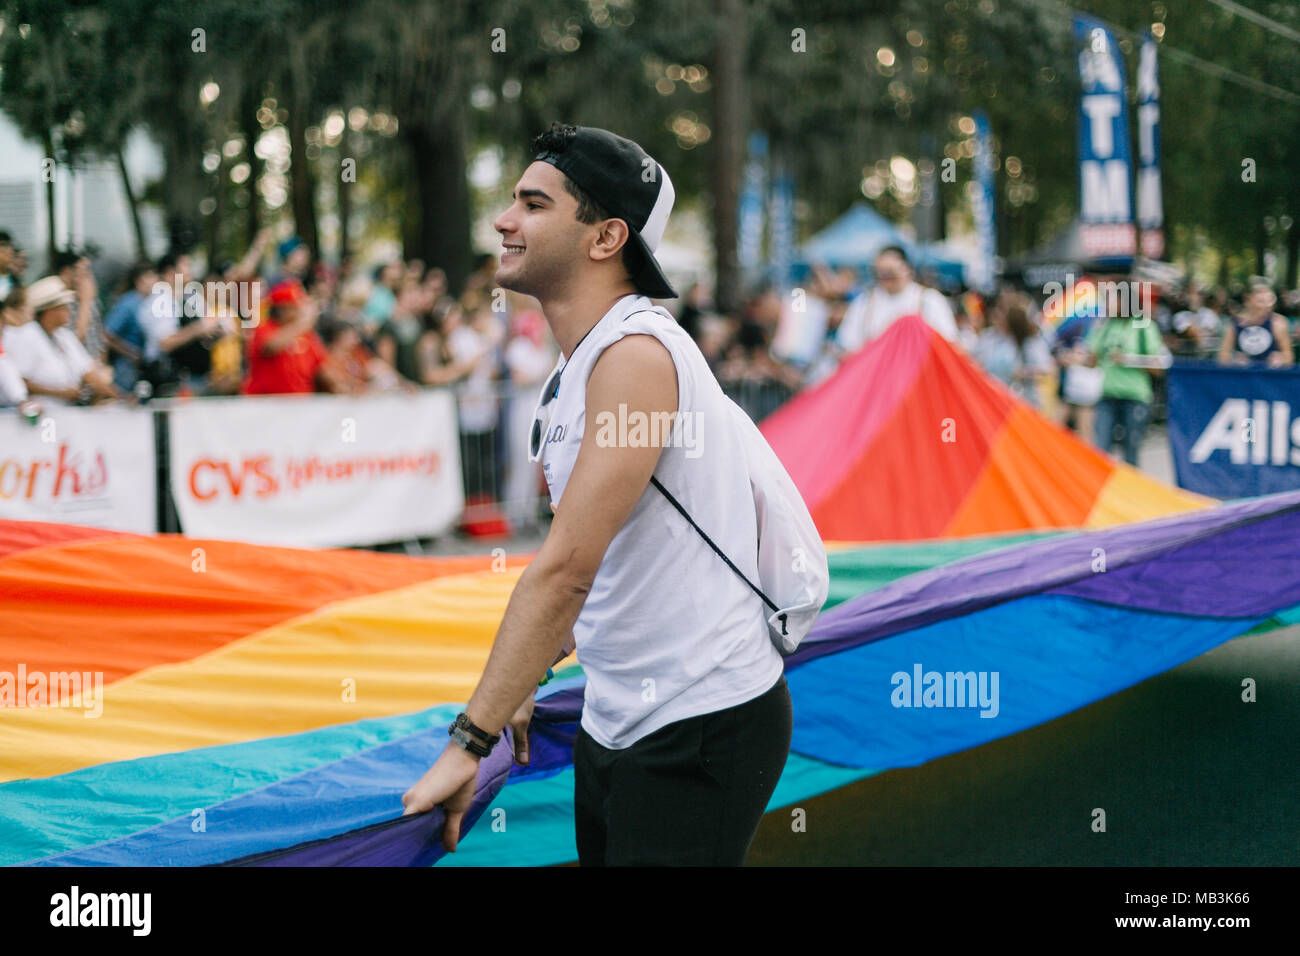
(690, 794)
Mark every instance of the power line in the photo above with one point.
(1223, 72)
(1246, 13)
(1182, 56)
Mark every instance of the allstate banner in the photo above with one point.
(88, 466)
(316, 470)
(1235, 432)
(1105, 164)
(1150, 203)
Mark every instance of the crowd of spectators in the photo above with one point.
(298, 327)
(277, 322)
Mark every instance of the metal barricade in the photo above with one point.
(501, 484)
(758, 398)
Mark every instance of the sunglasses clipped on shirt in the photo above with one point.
(543, 416)
(552, 389)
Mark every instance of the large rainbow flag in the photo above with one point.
(270, 706)
(926, 445)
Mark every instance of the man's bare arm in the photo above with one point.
(605, 486)
(606, 483)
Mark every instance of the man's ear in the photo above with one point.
(613, 235)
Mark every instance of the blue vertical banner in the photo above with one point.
(749, 239)
(781, 226)
(1150, 201)
(1105, 160)
(982, 207)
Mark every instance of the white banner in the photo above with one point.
(317, 470)
(88, 466)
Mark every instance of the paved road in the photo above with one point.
(1154, 456)
(1187, 773)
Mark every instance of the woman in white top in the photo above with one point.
(49, 356)
(895, 295)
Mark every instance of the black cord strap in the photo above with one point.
(709, 541)
(718, 551)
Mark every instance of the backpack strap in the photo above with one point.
(654, 480)
(718, 551)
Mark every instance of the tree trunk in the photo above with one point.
(132, 204)
(441, 229)
(303, 186)
(1166, 229)
(214, 221)
(409, 223)
(344, 196)
(51, 246)
(302, 182)
(186, 186)
(1292, 254)
(248, 124)
(729, 116)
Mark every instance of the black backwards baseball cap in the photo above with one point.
(622, 178)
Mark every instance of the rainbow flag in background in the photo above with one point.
(1072, 313)
(926, 445)
(270, 706)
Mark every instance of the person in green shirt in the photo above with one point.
(1129, 351)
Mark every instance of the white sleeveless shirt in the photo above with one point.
(668, 631)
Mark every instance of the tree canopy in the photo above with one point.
(259, 107)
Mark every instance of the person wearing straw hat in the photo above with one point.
(686, 720)
(48, 354)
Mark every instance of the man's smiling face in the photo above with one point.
(543, 242)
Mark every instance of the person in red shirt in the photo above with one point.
(285, 355)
